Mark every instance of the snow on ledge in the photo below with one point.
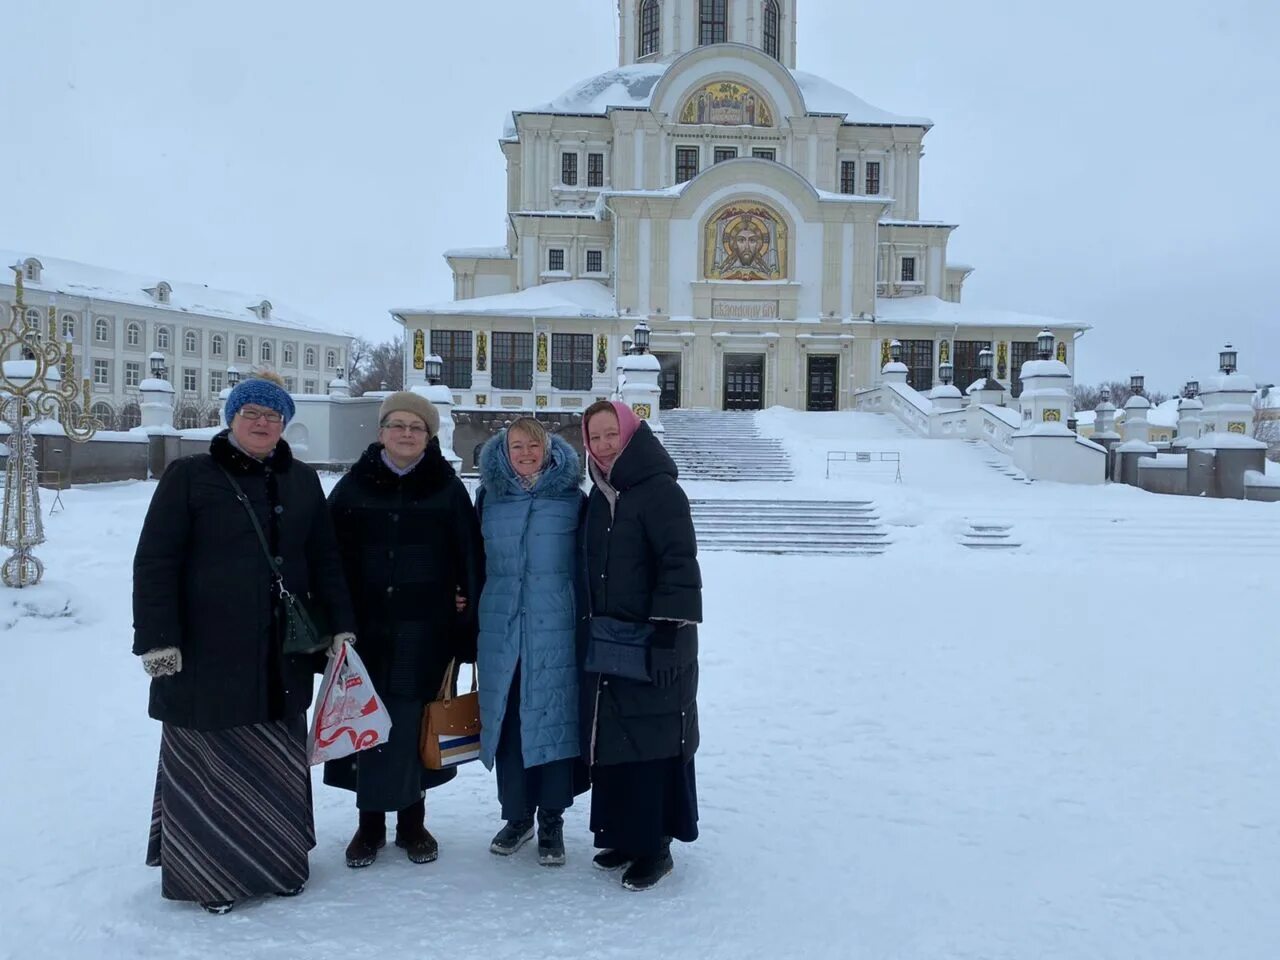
(1255, 478)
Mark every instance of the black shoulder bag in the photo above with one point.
(301, 635)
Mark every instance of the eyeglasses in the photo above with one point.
(416, 429)
(270, 416)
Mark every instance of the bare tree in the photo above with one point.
(357, 358)
(383, 364)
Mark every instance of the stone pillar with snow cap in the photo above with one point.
(983, 392)
(157, 398)
(638, 388)
(1044, 447)
(338, 387)
(1190, 420)
(442, 398)
(1227, 430)
(1136, 445)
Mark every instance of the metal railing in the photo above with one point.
(866, 456)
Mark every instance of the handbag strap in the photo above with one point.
(450, 674)
(257, 528)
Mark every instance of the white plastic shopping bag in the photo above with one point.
(348, 716)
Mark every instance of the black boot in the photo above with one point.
(611, 860)
(645, 872)
(413, 836)
(512, 837)
(551, 838)
(370, 837)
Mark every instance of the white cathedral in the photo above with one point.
(763, 222)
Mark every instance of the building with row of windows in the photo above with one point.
(115, 321)
(764, 222)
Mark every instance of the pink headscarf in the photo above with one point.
(628, 424)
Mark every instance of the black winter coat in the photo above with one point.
(201, 583)
(407, 544)
(642, 565)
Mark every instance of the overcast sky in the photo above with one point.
(1108, 161)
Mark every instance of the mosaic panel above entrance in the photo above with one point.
(745, 241)
(729, 104)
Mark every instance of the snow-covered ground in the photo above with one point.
(1065, 751)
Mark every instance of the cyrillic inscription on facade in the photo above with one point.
(744, 309)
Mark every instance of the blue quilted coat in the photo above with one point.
(528, 610)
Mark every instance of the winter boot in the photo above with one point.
(645, 872)
(370, 837)
(512, 837)
(413, 836)
(611, 860)
(551, 838)
(218, 907)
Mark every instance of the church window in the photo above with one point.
(453, 347)
(686, 163)
(595, 261)
(242, 348)
(909, 269)
(571, 361)
(217, 345)
(309, 357)
(650, 27)
(215, 382)
(132, 373)
(555, 259)
(102, 373)
(725, 153)
(1020, 351)
(764, 153)
(918, 356)
(265, 352)
(772, 46)
(162, 338)
(569, 169)
(595, 169)
(101, 330)
(512, 361)
(68, 326)
(848, 176)
(190, 342)
(873, 177)
(711, 21)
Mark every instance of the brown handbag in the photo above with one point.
(451, 724)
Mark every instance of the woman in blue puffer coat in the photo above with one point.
(530, 612)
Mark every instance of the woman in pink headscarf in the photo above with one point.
(640, 714)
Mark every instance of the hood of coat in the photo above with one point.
(429, 474)
(644, 457)
(560, 469)
(227, 455)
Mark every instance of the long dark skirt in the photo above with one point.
(232, 812)
(390, 777)
(636, 806)
(524, 790)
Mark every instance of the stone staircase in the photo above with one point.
(999, 462)
(848, 527)
(722, 445)
(988, 535)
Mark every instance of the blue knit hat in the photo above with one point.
(262, 393)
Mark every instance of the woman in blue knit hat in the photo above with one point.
(232, 817)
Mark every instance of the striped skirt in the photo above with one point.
(232, 812)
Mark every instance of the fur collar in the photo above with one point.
(430, 473)
(560, 472)
(226, 455)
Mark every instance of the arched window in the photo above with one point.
(31, 269)
(650, 27)
(265, 351)
(213, 417)
(68, 326)
(33, 318)
(310, 356)
(242, 348)
(162, 338)
(772, 44)
(331, 359)
(216, 344)
(188, 418)
(103, 413)
(162, 292)
(711, 21)
(133, 334)
(288, 354)
(130, 416)
(101, 330)
(190, 342)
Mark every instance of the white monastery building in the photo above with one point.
(764, 222)
(116, 321)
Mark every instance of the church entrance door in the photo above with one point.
(669, 380)
(744, 381)
(822, 382)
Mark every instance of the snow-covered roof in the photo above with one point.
(631, 88)
(480, 253)
(1164, 414)
(73, 279)
(937, 312)
(568, 298)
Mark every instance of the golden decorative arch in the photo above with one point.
(727, 103)
(745, 241)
